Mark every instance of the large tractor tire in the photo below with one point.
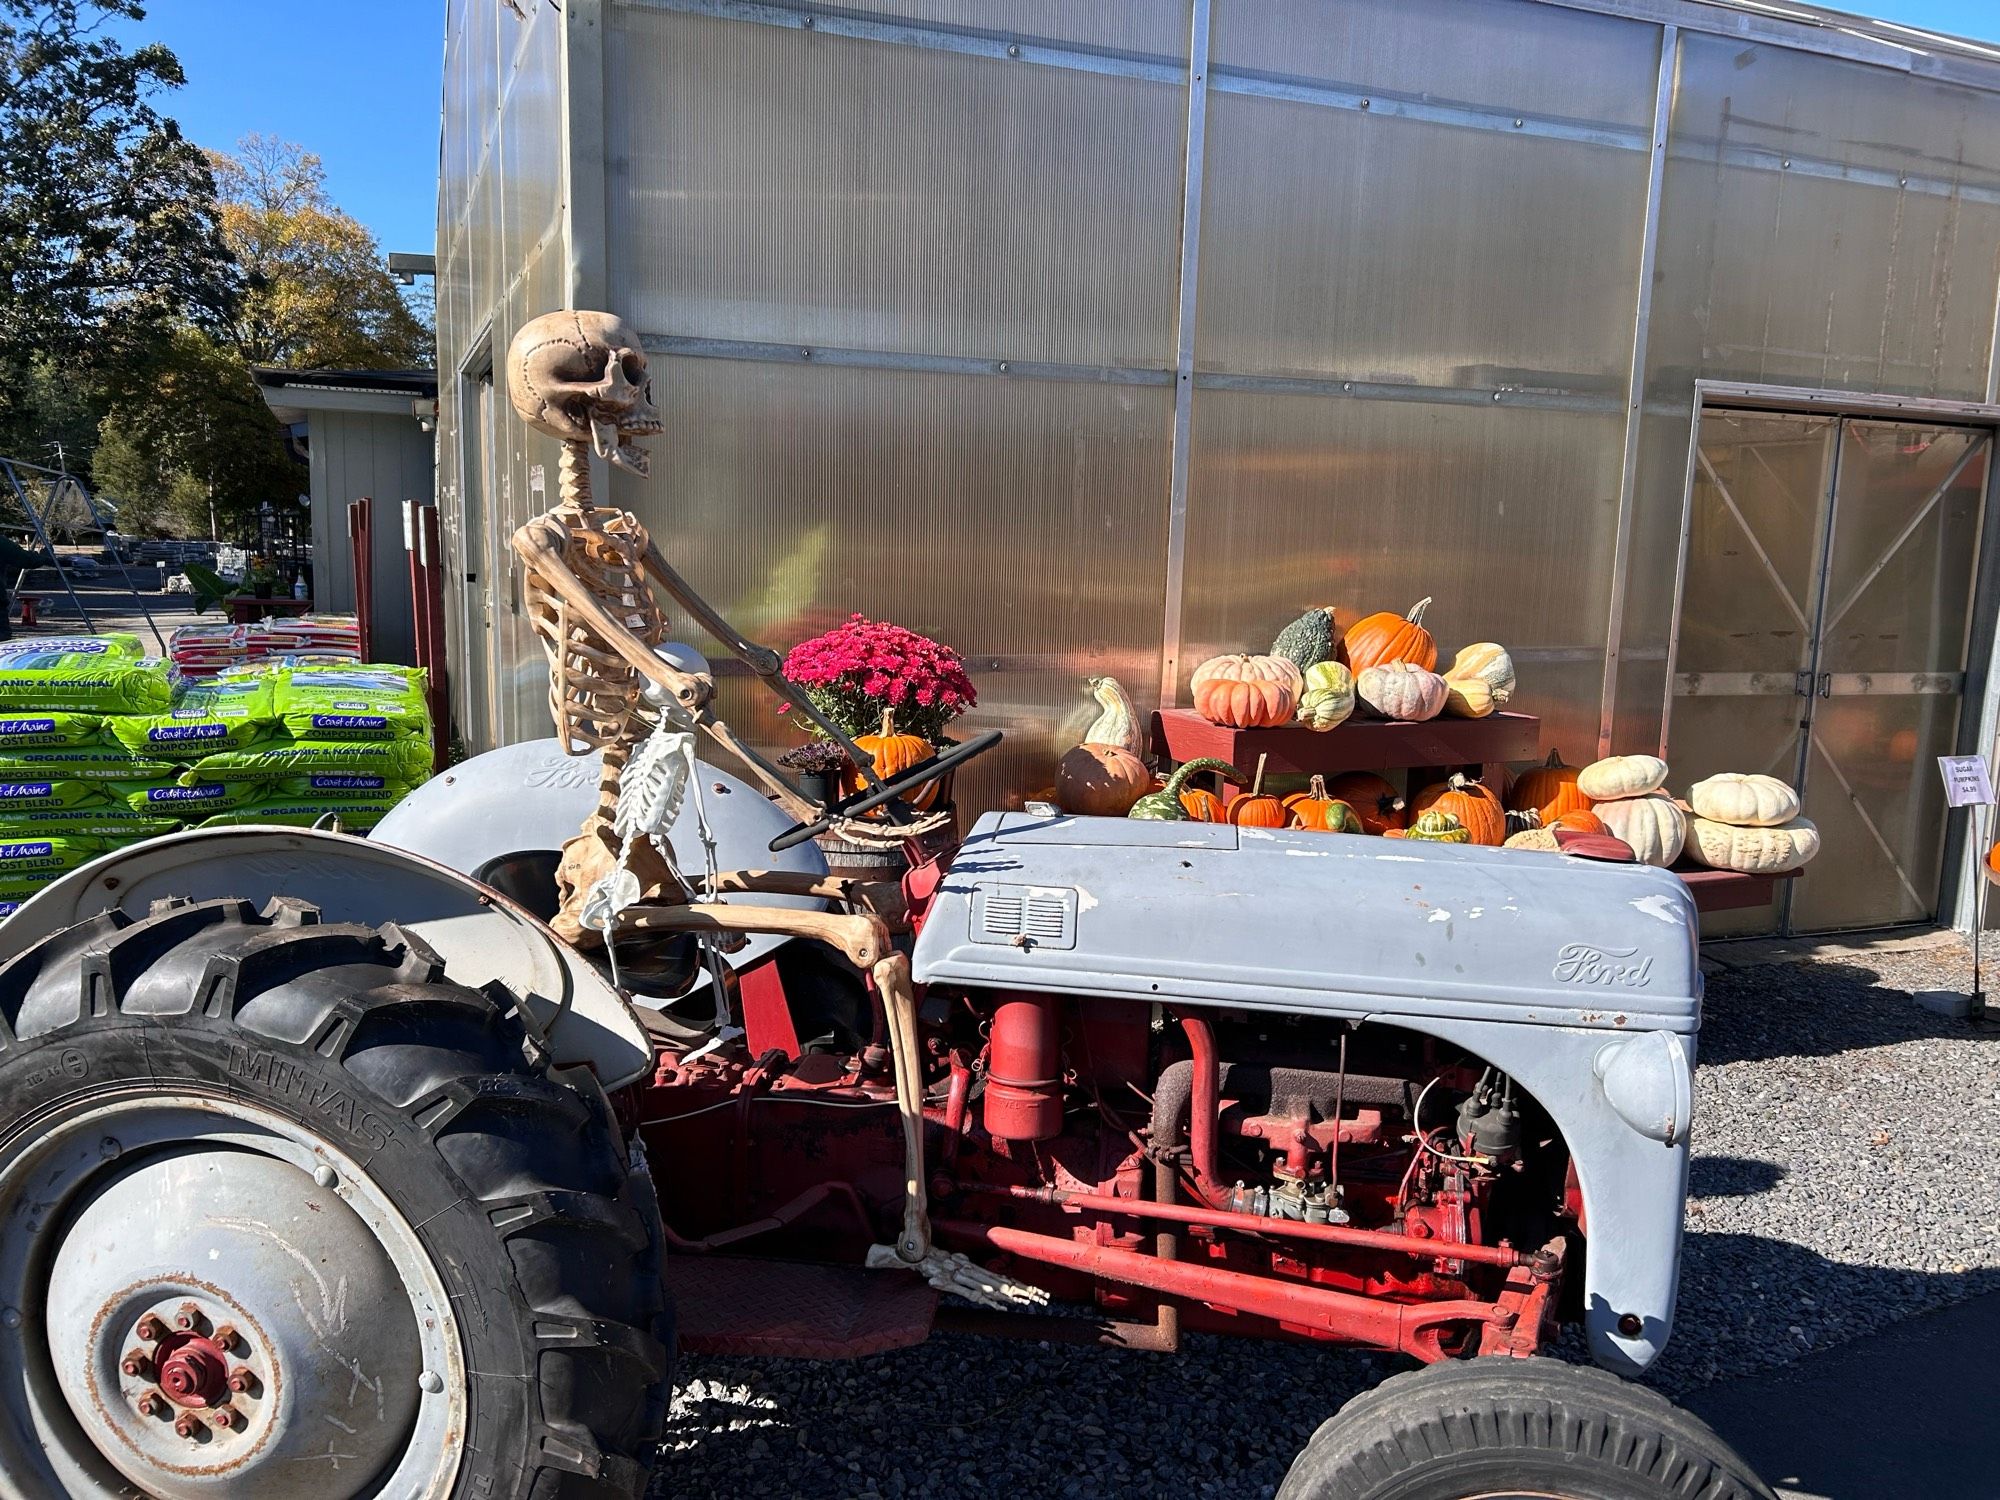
(285, 1212)
(1491, 1429)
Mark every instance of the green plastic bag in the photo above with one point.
(46, 731)
(81, 674)
(353, 702)
(303, 812)
(204, 718)
(26, 860)
(84, 763)
(113, 824)
(24, 796)
(189, 801)
(404, 760)
(342, 786)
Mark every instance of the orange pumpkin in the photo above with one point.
(1203, 806)
(1579, 819)
(1472, 804)
(1257, 808)
(1246, 692)
(892, 754)
(1378, 639)
(1320, 812)
(1375, 802)
(1550, 789)
(1100, 781)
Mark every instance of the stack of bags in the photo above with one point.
(202, 651)
(99, 747)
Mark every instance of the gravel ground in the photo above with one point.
(1847, 1176)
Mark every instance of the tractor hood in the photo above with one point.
(1302, 922)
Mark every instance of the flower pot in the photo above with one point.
(819, 786)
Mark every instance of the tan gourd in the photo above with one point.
(1488, 664)
(1748, 801)
(1116, 723)
(1533, 838)
(1622, 776)
(1752, 851)
(1653, 825)
(1468, 698)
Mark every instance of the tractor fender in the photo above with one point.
(481, 935)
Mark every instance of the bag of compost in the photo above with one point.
(204, 717)
(25, 861)
(81, 674)
(303, 812)
(353, 702)
(405, 760)
(20, 797)
(187, 800)
(115, 823)
(46, 731)
(342, 786)
(83, 763)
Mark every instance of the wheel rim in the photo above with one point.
(199, 1297)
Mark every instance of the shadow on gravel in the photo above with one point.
(1750, 1304)
(1816, 1010)
(1732, 1176)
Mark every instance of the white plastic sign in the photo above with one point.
(1966, 780)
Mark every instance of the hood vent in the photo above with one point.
(1031, 916)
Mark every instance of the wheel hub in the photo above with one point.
(233, 1322)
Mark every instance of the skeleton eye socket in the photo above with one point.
(635, 367)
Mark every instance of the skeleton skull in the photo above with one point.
(581, 377)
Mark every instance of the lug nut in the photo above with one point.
(151, 1329)
(241, 1379)
(226, 1336)
(136, 1363)
(150, 1404)
(224, 1417)
(186, 1425)
(187, 1317)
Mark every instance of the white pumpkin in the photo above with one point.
(1397, 690)
(1622, 776)
(1534, 838)
(1747, 801)
(1653, 825)
(1489, 664)
(1752, 851)
(1329, 696)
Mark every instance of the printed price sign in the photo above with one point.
(1966, 781)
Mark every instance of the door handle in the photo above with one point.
(1826, 684)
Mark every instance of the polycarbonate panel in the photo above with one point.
(1761, 489)
(531, 140)
(1503, 517)
(1154, 27)
(1337, 243)
(775, 184)
(1020, 521)
(1506, 54)
(1771, 270)
(1899, 585)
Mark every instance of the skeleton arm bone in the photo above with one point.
(863, 937)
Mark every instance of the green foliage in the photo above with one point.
(108, 221)
(210, 587)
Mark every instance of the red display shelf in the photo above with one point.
(1726, 890)
(1358, 745)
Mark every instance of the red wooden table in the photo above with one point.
(1357, 745)
(1726, 890)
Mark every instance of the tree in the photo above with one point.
(317, 293)
(108, 221)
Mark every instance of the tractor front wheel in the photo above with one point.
(1496, 1429)
(284, 1211)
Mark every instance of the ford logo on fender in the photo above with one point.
(1582, 963)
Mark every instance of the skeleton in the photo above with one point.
(581, 377)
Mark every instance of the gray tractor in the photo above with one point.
(329, 1169)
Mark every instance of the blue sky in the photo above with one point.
(358, 82)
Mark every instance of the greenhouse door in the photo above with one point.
(1823, 630)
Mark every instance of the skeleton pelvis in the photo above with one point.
(588, 858)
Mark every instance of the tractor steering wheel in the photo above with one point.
(870, 797)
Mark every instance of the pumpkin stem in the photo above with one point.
(1416, 614)
(888, 722)
(1318, 790)
(1555, 761)
(1257, 786)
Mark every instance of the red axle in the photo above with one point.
(1328, 1234)
(1413, 1328)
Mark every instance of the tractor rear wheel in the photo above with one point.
(283, 1211)
(1497, 1429)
